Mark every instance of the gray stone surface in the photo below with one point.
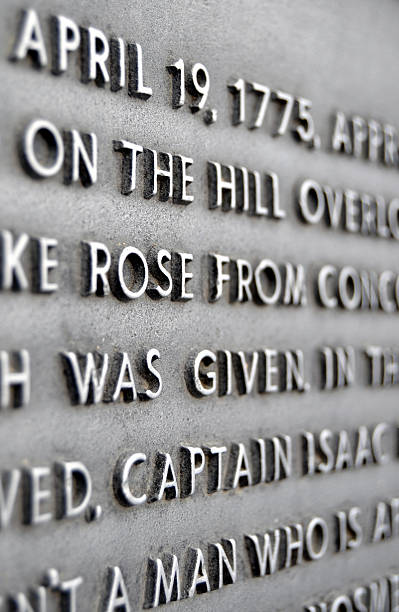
(341, 55)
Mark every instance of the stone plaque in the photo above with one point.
(199, 297)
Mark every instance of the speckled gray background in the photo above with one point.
(341, 55)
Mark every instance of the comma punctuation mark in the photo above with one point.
(210, 116)
(93, 513)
